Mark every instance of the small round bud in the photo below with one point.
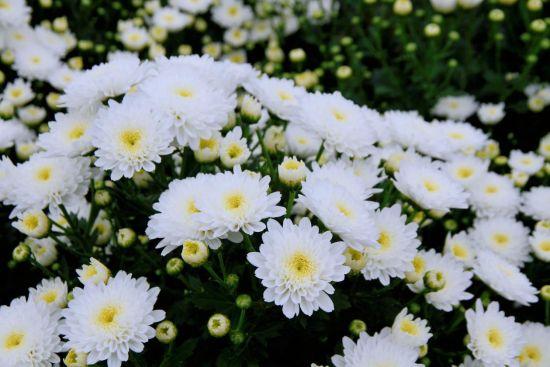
(208, 150)
(534, 5)
(356, 260)
(143, 239)
(414, 308)
(56, 266)
(292, 171)
(454, 35)
(126, 237)
(7, 57)
(46, 3)
(2, 77)
(251, 109)
(6, 110)
(237, 337)
(344, 72)
(243, 301)
(485, 298)
(297, 55)
(538, 25)
(545, 293)
(496, 15)
(275, 54)
(452, 63)
(218, 325)
(60, 24)
(232, 280)
(501, 160)
(52, 99)
(274, 139)
(422, 351)
(426, 362)
(21, 253)
(411, 47)
(174, 266)
(102, 198)
(532, 59)
(432, 30)
(166, 332)
(450, 225)
(466, 339)
(402, 7)
(536, 103)
(76, 63)
(194, 253)
(185, 50)
(33, 223)
(75, 359)
(357, 327)
(434, 280)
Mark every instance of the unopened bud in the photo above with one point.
(194, 253)
(174, 266)
(434, 280)
(126, 237)
(357, 327)
(243, 301)
(218, 325)
(21, 253)
(166, 332)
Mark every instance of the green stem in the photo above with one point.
(290, 203)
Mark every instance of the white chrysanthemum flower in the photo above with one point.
(504, 278)
(62, 77)
(494, 195)
(33, 61)
(461, 247)
(297, 265)
(236, 201)
(129, 137)
(529, 162)
(540, 244)
(192, 6)
(18, 92)
(234, 148)
(535, 351)
(13, 132)
(231, 13)
(456, 137)
(14, 13)
(235, 36)
(171, 19)
(43, 181)
(455, 107)
(342, 124)
(53, 41)
(429, 187)
(544, 146)
(135, 38)
(368, 170)
(454, 278)
(6, 171)
(94, 273)
(535, 203)
(44, 250)
(398, 244)
(33, 223)
(68, 135)
(466, 169)
(504, 236)
(107, 321)
(407, 128)
(491, 113)
(292, 171)
(176, 220)
(280, 96)
(194, 107)
(341, 212)
(52, 292)
(380, 349)
(302, 142)
(411, 331)
(31, 115)
(28, 335)
(90, 88)
(261, 30)
(495, 339)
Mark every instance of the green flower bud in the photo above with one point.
(501, 160)
(422, 351)
(232, 280)
(194, 253)
(343, 72)
(218, 325)
(357, 327)
(174, 266)
(243, 301)
(454, 35)
(251, 109)
(434, 280)
(166, 332)
(452, 63)
(102, 198)
(143, 239)
(297, 55)
(496, 15)
(545, 293)
(126, 237)
(237, 337)
(411, 47)
(538, 25)
(450, 225)
(432, 30)
(21, 253)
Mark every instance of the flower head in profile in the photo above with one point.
(409, 330)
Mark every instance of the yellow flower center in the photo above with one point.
(300, 265)
(49, 296)
(233, 10)
(409, 327)
(184, 92)
(464, 172)
(76, 132)
(545, 246)
(190, 248)
(191, 207)
(284, 95)
(456, 135)
(495, 338)
(14, 340)
(339, 115)
(4, 5)
(131, 140)
(530, 353)
(235, 201)
(501, 239)
(36, 60)
(44, 173)
(89, 272)
(16, 92)
(234, 151)
(431, 186)
(30, 222)
(107, 316)
(459, 251)
(384, 240)
(419, 264)
(343, 208)
(291, 165)
(134, 37)
(208, 143)
(491, 189)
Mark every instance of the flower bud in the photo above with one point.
(237, 337)
(218, 325)
(102, 198)
(166, 332)
(545, 293)
(357, 327)
(496, 15)
(292, 171)
(402, 7)
(274, 139)
(103, 230)
(500, 160)
(422, 351)
(434, 280)
(21, 253)
(344, 72)
(297, 55)
(194, 253)
(414, 308)
(419, 265)
(7, 57)
(232, 280)
(6, 110)
(251, 109)
(126, 237)
(76, 63)
(52, 99)
(243, 301)
(60, 24)
(46, 3)
(536, 103)
(76, 359)
(432, 30)
(450, 225)
(356, 260)
(534, 5)
(143, 239)
(185, 50)
(411, 47)
(208, 150)
(142, 179)
(174, 266)
(538, 25)
(275, 54)
(2, 77)
(94, 273)
(33, 223)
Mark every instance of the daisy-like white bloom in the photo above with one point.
(504, 236)
(43, 181)
(33, 61)
(535, 203)
(231, 13)
(344, 214)
(302, 142)
(108, 80)
(194, 107)
(495, 339)
(171, 19)
(129, 137)
(407, 128)
(491, 113)
(236, 36)
(29, 334)
(192, 6)
(234, 148)
(261, 30)
(280, 96)
(55, 42)
(93, 273)
(236, 201)
(540, 244)
(466, 169)
(62, 77)
(535, 351)
(52, 292)
(494, 195)
(176, 220)
(18, 92)
(504, 278)
(454, 278)
(455, 107)
(13, 132)
(14, 13)
(429, 187)
(107, 321)
(33, 223)
(44, 250)
(544, 146)
(529, 162)
(31, 115)
(461, 247)
(342, 124)
(380, 349)
(68, 135)
(6, 171)
(208, 149)
(297, 265)
(409, 330)
(456, 137)
(135, 38)
(398, 244)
